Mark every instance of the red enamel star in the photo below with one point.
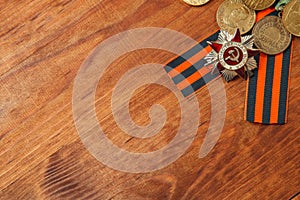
(232, 55)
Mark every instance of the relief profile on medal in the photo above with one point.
(233, 14)
(232, 55)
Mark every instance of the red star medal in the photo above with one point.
(232, 55)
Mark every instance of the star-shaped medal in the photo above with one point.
(232, 55)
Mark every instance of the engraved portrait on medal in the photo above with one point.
(233, 14)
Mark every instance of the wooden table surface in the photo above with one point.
(42, 46)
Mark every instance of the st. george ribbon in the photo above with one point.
(267, 89)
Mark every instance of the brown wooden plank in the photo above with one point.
(42, 46)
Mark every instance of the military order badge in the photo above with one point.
(232, 55)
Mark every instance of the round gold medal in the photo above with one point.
(291, 17)
(196, 2)
(259, 4)
(270, 35)
(233, 14)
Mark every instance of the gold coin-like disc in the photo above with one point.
(196, 2)
(291, 17)
(259, 4)
(233, 14)
(270, 35)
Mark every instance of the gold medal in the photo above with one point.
(270, 35)
(234, 14)
(196, 2)
(291, 17)
(259, 4)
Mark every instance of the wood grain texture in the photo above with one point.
(42, 46)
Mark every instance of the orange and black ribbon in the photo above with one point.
(267, 90)
(188, 71)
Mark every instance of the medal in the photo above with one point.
(270, 35)
(233, 14)
(259, 4)
(291, 17)
(196, 2)
(232, 55)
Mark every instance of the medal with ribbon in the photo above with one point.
(232, 55)
(262, 58)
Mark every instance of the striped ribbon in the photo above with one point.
(188, 71)
(267, 90)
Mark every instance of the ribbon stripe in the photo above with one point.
(284, 89)
(268, 89)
